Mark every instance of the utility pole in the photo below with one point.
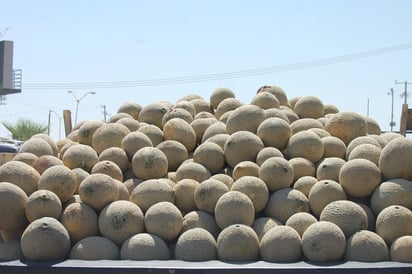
(405, 93)
(392, 123)
(104, 112)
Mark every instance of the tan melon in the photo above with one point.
(276, 113)
(277, 173)
(366, 151)
(302, 167)
(184, 194)
(131, 108)
(86, 131)
(266, 153)
(306, 124)
(346, 126)
(389, 136)
(49, 140)
(98, 190)
(186, 105)
(320, 132)
(37, 146)
(330, 109)
(109, 135)
(250, 113)
(118, 116)
(21, 175)
(154, 133)
(400, 249)
(80, 220)
(12, 202)
(373, 126)
(208, 193)
(65, 147)
(120, 220)
(80, 175)
(10, 251)
(277, 91)
(25, 157)
(226, 105)
(391, 192)
(396, 159)
(329, 168)
(323, 242)
(359, 177)
(245, 168)
(176, 153)
(152, 191)
(143, 247)
(281, 236)
(202, 105)
(134, 141)
(164, 220)
(305, 144)
(255, 188)
(131, 183)
(116, 155)
(323, 193)
(290, 114)
(45, 161)
(333, 147)
(304, 184)
(177, 113)
(179, 130)
(219, 139)
(274, 132)
(130, 123)
(224, 178)
(238, 242)
(196, 244)
(149, 163)
(285, 202)
(45, 239)
(80, 156)
(261, 225)
(109, 168)
(360, 141)
(60, 180)
(219, 94)
(242, 146)
(8, 235)
(94, 248)
(265, 100)
(366, 246)
(234, 207)
(192, 170)
(200, 125)
(211, 156)
(43, 203)
(348, 215)
(309, 107)
(60, 143)
(300, 221)
(153, 113)
(217, 127)
(200, 219)
(393, 222)
(370, 214)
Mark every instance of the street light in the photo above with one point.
(78, 101)
(60, 121)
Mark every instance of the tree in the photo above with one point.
(24, 129)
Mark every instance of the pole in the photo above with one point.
(77, 109)
(391, 124)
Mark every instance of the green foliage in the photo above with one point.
(24, 129)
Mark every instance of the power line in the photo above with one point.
(221, 76)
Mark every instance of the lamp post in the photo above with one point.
(78, 101)
(60, 122)
(391, 123)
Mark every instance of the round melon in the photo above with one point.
(300, 221)
(86, 131)
(200, 219)
(20, 174)
(274, 132)
(245, 168)
(184, 194)
(196, 244)
(60, 180)
(234, 207)
(277, 173)
(109, 135)
(347, 126)
(176, 153)
(109, 168)
(401, 249)
(266, 153)
(44, 162)
(153, 113)
(305, 144)
(309, 107)
(154, 133)
(304, 184)
(333, 147)
(324, 192)
(150, 192)
(281, 244)
(211, 156)
(302, 167)
(98, 190)
(43, 203)
(143, 247)
(396, 159)
(277, 91)
(12, 204)
(163, 219)
(265, 100)
(245, 118)
(255, 188)
(134, 141)
(261, 225)
(393, 222)
(94, 248)
(366, 246)
(391, 192)
(208, 193)
(329, 168)
(45, 239)
(149, 163)
(192, 170)
(80, 156)
(131, 108)
(120, 220)
(179, 130)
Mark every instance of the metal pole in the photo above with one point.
(48, 127)
(391, 123)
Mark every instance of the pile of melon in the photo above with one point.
(276, 179)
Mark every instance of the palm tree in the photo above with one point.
(24, 129)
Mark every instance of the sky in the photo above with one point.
(349, 53)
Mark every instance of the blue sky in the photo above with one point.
(71, 42)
